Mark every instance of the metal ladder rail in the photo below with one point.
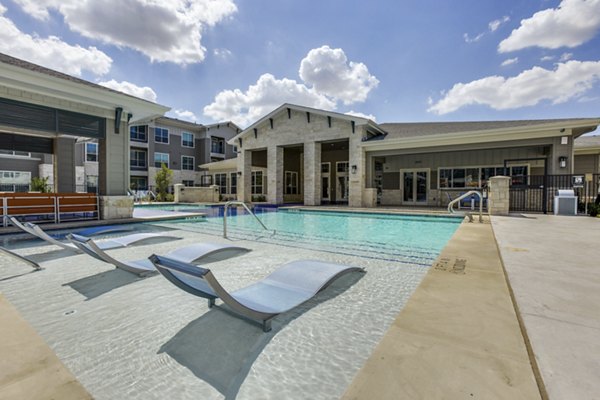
(465, 195)
(239, 203)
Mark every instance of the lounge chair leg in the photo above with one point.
(266, 325)
(211, 303)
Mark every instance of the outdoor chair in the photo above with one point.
(21, 258)
(287, 287)
(143, 267)
(105, 244)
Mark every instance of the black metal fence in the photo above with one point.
(536, 193)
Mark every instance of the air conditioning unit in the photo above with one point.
(565, 202)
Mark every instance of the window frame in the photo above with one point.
(137, 139)
(480, 180)
(219, 140)
(158, 128)
(145, 158)
(87, 153)
(232, 186)
(217, 181)
(186, 182)
(183, 142)
(254, 186)
(193, 163)
(161, 163)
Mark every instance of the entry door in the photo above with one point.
(415, 186)
(325, 182)
(342, 178)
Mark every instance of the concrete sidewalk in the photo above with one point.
(553, 264)
(29, 369)
(458, 336)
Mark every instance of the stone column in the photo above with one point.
(113, 157)
(244, 165)
(312, 174)
(498, 195)
(275, 174)
(357, 159)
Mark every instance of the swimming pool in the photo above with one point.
(400, 238)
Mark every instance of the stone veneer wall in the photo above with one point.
(196, 194)
(498, 196)
(116, 207)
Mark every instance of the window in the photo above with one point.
(221, 182)
(476, 177)
(235, 149)
(257, 182)
(187, 139)
(325, 168)
(342, 166)
(217, 145)
(137, 158)
(291, 182)
(187, 163)
(138, 183)
(206, 180)
(160, 159)
(91, 152)
(187, 183)
(233, 183)
(16, 153)
(14, 181)
(138, 133)
(161, 135)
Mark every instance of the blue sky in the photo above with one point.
(394, 61)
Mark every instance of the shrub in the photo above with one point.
(593, 209)
(40, 185)
(163, 180)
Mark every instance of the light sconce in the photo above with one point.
(562, 162)
(353, 169)
(239, 173)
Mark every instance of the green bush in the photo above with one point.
(40, 185)
(163, 180)
(593, 209)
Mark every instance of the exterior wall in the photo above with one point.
(587, 163)
(113, 156)
(296, 130)
(64, 170)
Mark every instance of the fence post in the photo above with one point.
(56, 209)
(4, 211)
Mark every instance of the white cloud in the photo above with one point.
(547, 58)
(571, 24)
(361, 115)
(328, 79)
(510, 61)
(50, 52)
(185, 115)
(224, 54)
(330, 73)
(495, 24)
(267, 94)
(143, 92)
(165, 31)
(492, 27)
(565, 57)
(567, 81)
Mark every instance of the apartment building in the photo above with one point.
(180, 145)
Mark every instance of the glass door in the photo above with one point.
(325, 182)
(341, 193)
(415, 186)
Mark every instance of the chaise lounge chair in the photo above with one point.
(21, 258)
(287, 287)
(106, 244)
(144, 267)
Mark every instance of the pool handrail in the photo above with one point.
(239, 203)
(465, 195)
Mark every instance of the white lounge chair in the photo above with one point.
(21, 258)
(287, 287)
(105, 244)
(144, 267)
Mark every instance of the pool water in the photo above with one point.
(401, 238)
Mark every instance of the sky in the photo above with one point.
(388, 60)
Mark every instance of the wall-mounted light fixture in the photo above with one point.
(562, 162)
(239, 173)
(353, 169)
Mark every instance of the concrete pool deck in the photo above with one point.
(459, 336)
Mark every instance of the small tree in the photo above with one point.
(40, 185)
(163, 180)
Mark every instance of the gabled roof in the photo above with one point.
(587, 144)
(405, 130)
(357, 120)
(24, 75)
